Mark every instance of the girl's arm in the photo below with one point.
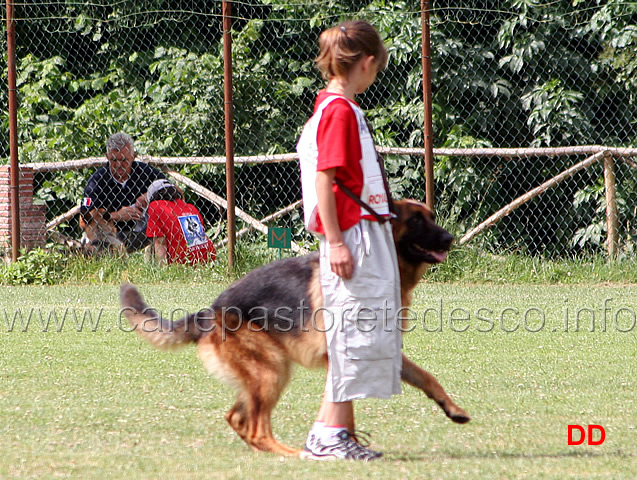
(341, 259)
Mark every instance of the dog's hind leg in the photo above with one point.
(425, 381)
(257, 367)
(251, 417)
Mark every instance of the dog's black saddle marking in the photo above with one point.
(274, 297)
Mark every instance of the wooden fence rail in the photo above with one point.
(609, 155)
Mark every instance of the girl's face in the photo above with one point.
(368, 69)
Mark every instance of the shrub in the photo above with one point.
(38, 266)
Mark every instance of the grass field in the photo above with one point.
(99, 403)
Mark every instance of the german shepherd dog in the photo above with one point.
(100, 232)
(268, 320)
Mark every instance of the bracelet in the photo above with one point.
(337, 245)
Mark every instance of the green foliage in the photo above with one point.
(614, 25)
(466, 264)
(38, 266)
(472, 265)
(513, 75)
(590, 207)
(514, 68)
(591, 203)
(554, 118)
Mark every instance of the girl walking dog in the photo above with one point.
(352, 288)
(347, 204)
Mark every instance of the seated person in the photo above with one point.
(176, 227)
(119, 189)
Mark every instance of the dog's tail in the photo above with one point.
(159, 332)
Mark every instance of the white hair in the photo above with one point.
(119, 141)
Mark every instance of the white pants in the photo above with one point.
(363, 338)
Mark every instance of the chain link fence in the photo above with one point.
(504, 75)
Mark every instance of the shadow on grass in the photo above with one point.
(401, 457)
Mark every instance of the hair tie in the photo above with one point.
(343, 29)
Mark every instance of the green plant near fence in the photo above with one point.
(36, 267)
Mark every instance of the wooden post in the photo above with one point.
(612, 222)
(217, 200)
(504, 211)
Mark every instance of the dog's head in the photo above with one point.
(100, 232)
(419, 239)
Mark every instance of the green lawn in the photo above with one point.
(103, 404)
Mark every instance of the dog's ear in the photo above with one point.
(101, 214)
(404, 208)
(399, 210)
(94, 215)
(86, 218)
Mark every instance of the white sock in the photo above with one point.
(316, 430)
(328, 435)
(317, 427)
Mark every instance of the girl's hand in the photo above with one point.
(341, 261)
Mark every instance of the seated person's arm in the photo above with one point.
(126, 213)
(142, 201)
(161, 253)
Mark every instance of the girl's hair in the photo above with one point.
(169, 193)
(344, 45)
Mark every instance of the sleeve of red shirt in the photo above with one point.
(337, 136)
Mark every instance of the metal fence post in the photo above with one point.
(426, 96)
(229, 114)
(13, 136)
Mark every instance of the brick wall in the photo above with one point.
(32, 217)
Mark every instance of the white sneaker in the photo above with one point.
(343, 448)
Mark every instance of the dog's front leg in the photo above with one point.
(425, 381)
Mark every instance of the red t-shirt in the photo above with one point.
(339, 147)
(182, 226)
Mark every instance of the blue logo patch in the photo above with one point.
(193, 230)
